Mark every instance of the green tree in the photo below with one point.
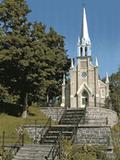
(15, 47)
(53, 59)
(115, 91)
(32, 61)
(116, 139)
(60, 62)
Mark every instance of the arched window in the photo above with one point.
(86, 51)
(81, 49)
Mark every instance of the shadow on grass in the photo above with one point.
(31, 114)
(11, 109)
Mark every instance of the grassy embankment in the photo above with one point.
(8, 124)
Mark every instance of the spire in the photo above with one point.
(96, 63)
(85, 42)
(84, 34)
(72, 64)
(107, 78)
(78, 47)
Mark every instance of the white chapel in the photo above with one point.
(84, 87)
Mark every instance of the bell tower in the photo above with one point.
(83, 96)
(84, 42)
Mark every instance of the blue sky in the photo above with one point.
(103, 22)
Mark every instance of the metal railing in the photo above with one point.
(64, 113)
(55, 150)
(42, 133)
(10, 148)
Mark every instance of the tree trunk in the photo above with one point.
(25, 107)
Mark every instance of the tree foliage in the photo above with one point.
(32, 61)
(115, 91)
(116, 139)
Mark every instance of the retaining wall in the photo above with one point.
(100, 116)
(94, 135)
(54, 112)
(94, 115)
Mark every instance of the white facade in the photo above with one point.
(85, 87)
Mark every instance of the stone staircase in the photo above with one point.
(71, 126)
(52, 134)
(72, 117)
(67, 128)
(33, 152)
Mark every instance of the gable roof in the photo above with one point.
(84, 86)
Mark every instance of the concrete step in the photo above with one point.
(33, 152)
(75, 112)
(62, 128)
(57, 132)
(73, 116)
(53, 140)
(68, 122)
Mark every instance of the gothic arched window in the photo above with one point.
(86, 51)
(81, 49)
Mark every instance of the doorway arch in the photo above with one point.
(85, 99)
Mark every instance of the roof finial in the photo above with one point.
(107, 78)
(97, 62)
(72, 64)
(63, 79)
(78, 47)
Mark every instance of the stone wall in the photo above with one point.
(100, 116)
(54, 112)
(94, 115)
(94, 135)
(33, 130)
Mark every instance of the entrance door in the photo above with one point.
(84, 99)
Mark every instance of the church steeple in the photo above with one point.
(78, 47)
(85, 43)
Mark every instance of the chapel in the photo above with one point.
(84, 88)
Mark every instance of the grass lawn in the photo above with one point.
(10, 123)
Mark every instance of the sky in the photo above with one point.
(65, 16)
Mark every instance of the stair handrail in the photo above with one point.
(74, 133)
(53, 151)
(55, 148)
(64, 113)
(15, 147)
(85, 110)
(44, 130)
